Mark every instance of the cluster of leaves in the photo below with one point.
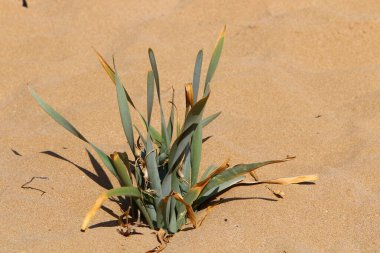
(162, 178)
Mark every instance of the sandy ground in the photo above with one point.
(295, 78)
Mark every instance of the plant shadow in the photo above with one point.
(215, 201)
(102, 180)
(100, 177)
(15, 152)
(105, 224)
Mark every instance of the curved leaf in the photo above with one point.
(193, 118)
(209, 119)
(153, 63)
(207, 172)
(69, 127)
(194, 192)
(238, 170)
(217, 190)
(122, 169)
(111, 74)
(132, 192)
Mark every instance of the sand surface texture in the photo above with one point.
(295, 78)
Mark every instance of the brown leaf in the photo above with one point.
(163, 239)
(190, 211)
(189, 93)
(99, 202)
(292, 180)
(106, 66)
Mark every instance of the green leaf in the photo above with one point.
(214, 61)
(209, 119)
(150, 91)
(196, 190)
(160, 215)
(151, 164)
(208, 171)
(212, 193)
(193, 118)
(187, 168)
(170, 126)
(152, 213)
(111, 74)
(124, 112)
(141, 135)
(69, 127)
(236, 171)
(156, 136)
(56, 116)
(164, 133)
(153, 63)
(196, 154)
(197, 74)
(172, 228)
(123, 170)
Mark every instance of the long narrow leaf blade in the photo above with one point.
(122, 169)
(196, 154)
(106, 66)
(153, 64)
(56, 116)
(150, 91)
(239, 170)
(189, 209)
(125, 114)
(111, 73)
(187, 168)
(209, 119)
(123, 172)
(151, 163)
(208, 171)
(164, 133)
(217, 190)
(214, 61)
(197, 74)
(69, 127)
(106, 160)
(170, 127)
(289, 180)
(196, 190)
(172, 228)
(192, 120)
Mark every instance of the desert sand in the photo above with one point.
(295, 78)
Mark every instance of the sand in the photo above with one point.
(295, 78)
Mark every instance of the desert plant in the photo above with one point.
(162, 177)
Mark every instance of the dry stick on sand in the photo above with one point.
(29, 187)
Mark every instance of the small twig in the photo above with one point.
(277, 193)
(29, 187)
(163, 238)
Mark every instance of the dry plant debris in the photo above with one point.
(24, 186)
